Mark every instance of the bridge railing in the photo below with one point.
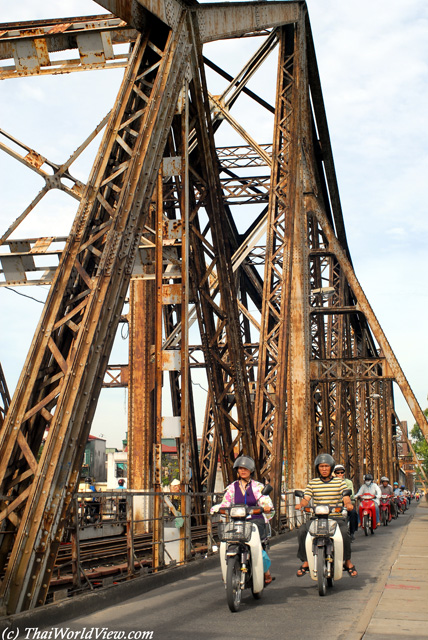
(114, 536)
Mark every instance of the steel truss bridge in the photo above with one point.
(270, 308)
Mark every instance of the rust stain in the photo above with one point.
(400, 586)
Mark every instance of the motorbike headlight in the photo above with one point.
(322, 510)
(313, 528)
(332, 527)
(238, 512)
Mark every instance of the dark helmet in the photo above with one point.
(246, 462)
(121, 481)
(384, 479)
(324, 458)
(402, 486)
(368, 477)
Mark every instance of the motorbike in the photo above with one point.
(241, 552)
(91, 511)
(367, 513)
(401, 503)
(394, 507)
(385, 510)
(324, 544)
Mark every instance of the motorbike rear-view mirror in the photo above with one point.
(348, 492)
(267, 489)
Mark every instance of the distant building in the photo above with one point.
(94, 460)
(117, 467)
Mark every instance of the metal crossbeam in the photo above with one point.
(33, 46)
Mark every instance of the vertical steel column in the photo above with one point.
(271, 401)
(141, 394)
(187, 438)
(299, 433)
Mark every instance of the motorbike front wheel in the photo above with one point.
(233, 584)
(366, 525)
(256, 595)
(321, 572)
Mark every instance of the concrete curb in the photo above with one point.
(58, 612)
(359, 631)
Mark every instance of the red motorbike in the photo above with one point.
(367, 513)
(401, 503)
(385, 510)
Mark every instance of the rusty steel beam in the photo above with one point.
(271, 390)
(363, 306)
(4, 396)
(232, 360)
(30, 45)
(141, 384)
(212, 21)
(417, 462)
(35, 161)
(78, 324)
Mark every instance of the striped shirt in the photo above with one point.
(329, 492)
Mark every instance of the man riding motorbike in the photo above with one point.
(386, 490)
(371, 487)
(339, 472)
(246, 490)
(326, 489)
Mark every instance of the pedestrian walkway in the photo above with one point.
(399, 605)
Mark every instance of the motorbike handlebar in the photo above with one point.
(253, 511)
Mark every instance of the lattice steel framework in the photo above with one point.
(294, 358)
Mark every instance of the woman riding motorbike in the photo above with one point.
(246, 490)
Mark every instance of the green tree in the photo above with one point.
(420, 445)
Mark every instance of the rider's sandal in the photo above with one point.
(302, 570)
(269, 579)
(352, 571)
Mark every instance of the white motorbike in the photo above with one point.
(241, 552)
(324, 544)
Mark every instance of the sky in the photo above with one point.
(373, 64)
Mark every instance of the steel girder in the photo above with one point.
(59, 387)
(4, 396)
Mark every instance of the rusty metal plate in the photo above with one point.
(172, 293)
(171, 360)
